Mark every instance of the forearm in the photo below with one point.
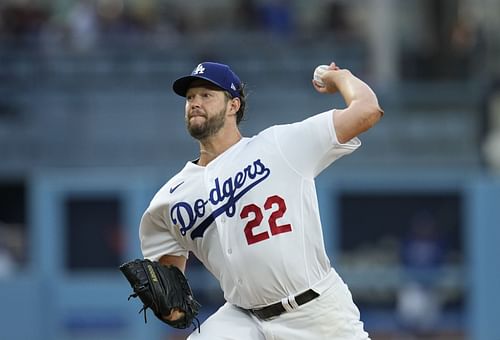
(178, 261)
(354, 89)
(362, 111)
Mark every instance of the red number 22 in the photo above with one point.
(280, 208)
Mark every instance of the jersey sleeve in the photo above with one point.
(157, 239)
(311, 145)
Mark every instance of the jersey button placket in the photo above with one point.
(223, 220)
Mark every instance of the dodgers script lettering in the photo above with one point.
(226, 192)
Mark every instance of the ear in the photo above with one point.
(235, 105)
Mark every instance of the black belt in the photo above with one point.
(278, 309)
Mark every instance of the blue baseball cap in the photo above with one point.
(218, 74)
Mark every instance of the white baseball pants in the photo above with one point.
(331, 316)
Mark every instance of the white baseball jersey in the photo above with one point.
(251, 215)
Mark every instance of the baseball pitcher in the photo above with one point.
(247, 209)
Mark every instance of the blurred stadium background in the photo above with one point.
(90, 129)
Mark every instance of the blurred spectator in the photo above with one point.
(422, 255)
(489, 132)
(423, 247)
(465, 45)
(129, 20)
(276, 17)
(418, 308)
(143, 15)
(11, 248)
(111, 17)
(82, 25)
(248, 13)
(451, 44)
(491, 149)
(7, 262)
(336, 20)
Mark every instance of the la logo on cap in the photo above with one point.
(199, 69)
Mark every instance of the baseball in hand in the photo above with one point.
(318, 73)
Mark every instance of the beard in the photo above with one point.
(208, 128)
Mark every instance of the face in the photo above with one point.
(206, 109)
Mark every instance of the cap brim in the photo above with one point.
(181, 85)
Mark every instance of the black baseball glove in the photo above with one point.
(164, 289)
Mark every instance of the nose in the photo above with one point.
(194, 101)
(193, 105)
